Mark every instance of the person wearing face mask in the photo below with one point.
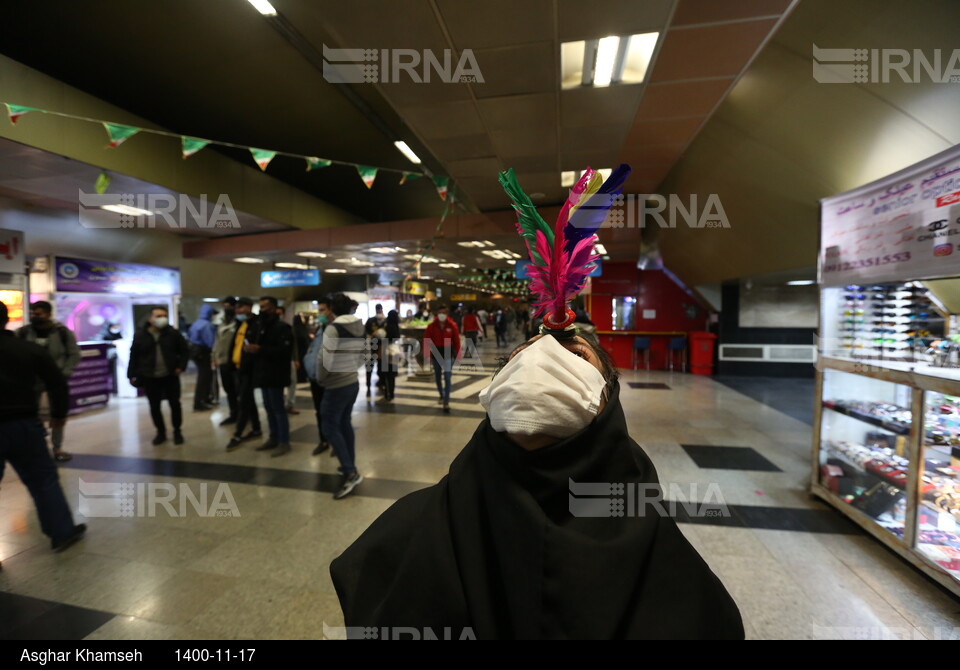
(222, 359)
(523, 538)
(441, 344)
(61, 344)
(242, 363)
(158, 355)
(271, 348)
(370, 328)
(311, 365)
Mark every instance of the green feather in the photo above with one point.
(528, 220)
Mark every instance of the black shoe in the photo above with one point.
(347, 484)
(267, 446)
(320, 448)
(229, 421)
(78, 532)
(368, 391)
(234, 443)
(202, 408)
(252, 435)
(281, 450)
(177, 437)
(159, 439)
(446, 408)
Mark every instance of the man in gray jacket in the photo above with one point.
(222, 356)
(344, 345)
(61, 344)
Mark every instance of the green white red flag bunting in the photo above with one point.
(191, 145)
(314, 163)
(367, 174)
(441, 184)
(119, 134)
(16, 111)
(409, 176)
(262, 157)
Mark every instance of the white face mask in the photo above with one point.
(161, 322)
(442, 317)
(544, 390)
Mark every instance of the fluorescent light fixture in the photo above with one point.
(599, 249)
(390, 269)
(407, 151)
(610, 60)
(423, 277)
(568, 178)
(248, 259)
(801, 282)
(311, 254)
(511, 262)
(263, 7)
(451, 265)
(336, 271)
(514, 254)
(211, 299)
(293, 266)
(606, 60)
(489, 243)
(387, 250)
(127, 209)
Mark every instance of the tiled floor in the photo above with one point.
(257, 565)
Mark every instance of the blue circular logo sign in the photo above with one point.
(69, 271)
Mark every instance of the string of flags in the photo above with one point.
(118, 133)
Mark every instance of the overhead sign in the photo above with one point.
(416, 288)
(464, 297)
(274, 278)
(12, 258)
(521, 270)
(902, 227)
(82, 276)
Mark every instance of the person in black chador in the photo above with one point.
(501, 548)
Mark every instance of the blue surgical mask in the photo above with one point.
(241, 317)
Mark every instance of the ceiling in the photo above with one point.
(218, 69)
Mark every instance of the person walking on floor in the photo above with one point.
(271, 350)
(370, 328)
(157, 357)
(247, 411)
(500, 327)
(343, 353)
(222, 356)
(301, 340)
(201, 338)
(22, 440)
(441, 343)
(61, 344)
(390, 355)
(311, 365)
(484, 317)
(471, 326)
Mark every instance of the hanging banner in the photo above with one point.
(262, 157)
(82, 276)
(903, 227)
(367, 174)
(119, 134)
(191, 145)
(441, 184)
(314, 163)
(16, 111)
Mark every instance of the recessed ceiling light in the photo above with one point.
(609, 60)
(127, 209)
(263, 7)
(391, 269)
(407, 151)
(451, 265)
(801, 282)
(248, 259)
(211, 299)
(511, 262)
(606, 61)
(336, 271)
(387, 250)
(293, 266)
(568, 178)
(311, 254)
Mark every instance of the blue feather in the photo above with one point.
(590, 215)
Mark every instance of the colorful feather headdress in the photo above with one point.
(562, 257)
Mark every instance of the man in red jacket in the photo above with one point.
(441, 344)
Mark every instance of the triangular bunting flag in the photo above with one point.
(409, 176)
(119, 134)
(317, 163)
(103, 181)
(441, 184)
(191, 145)
(263, 157)
(16, 111)
(367, 174)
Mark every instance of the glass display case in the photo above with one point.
(938, 514)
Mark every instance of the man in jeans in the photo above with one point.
(242, 362)
(202, 336)
(441, 344)
(343, 352)
(61, 344)
(22, 440)
(271, 349)
(157, 357)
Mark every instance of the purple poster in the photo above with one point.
(83, 276)
(92, 380)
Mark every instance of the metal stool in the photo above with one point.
(678, 344)
(641, 344)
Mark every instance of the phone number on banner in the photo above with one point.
(846, 266)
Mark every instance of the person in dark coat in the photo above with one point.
(389, 362)
(22, 440)
(242, 363)
(271, 350)
(547, 525)
(157, 357)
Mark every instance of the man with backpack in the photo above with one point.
(61, 344)
(343, 353)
